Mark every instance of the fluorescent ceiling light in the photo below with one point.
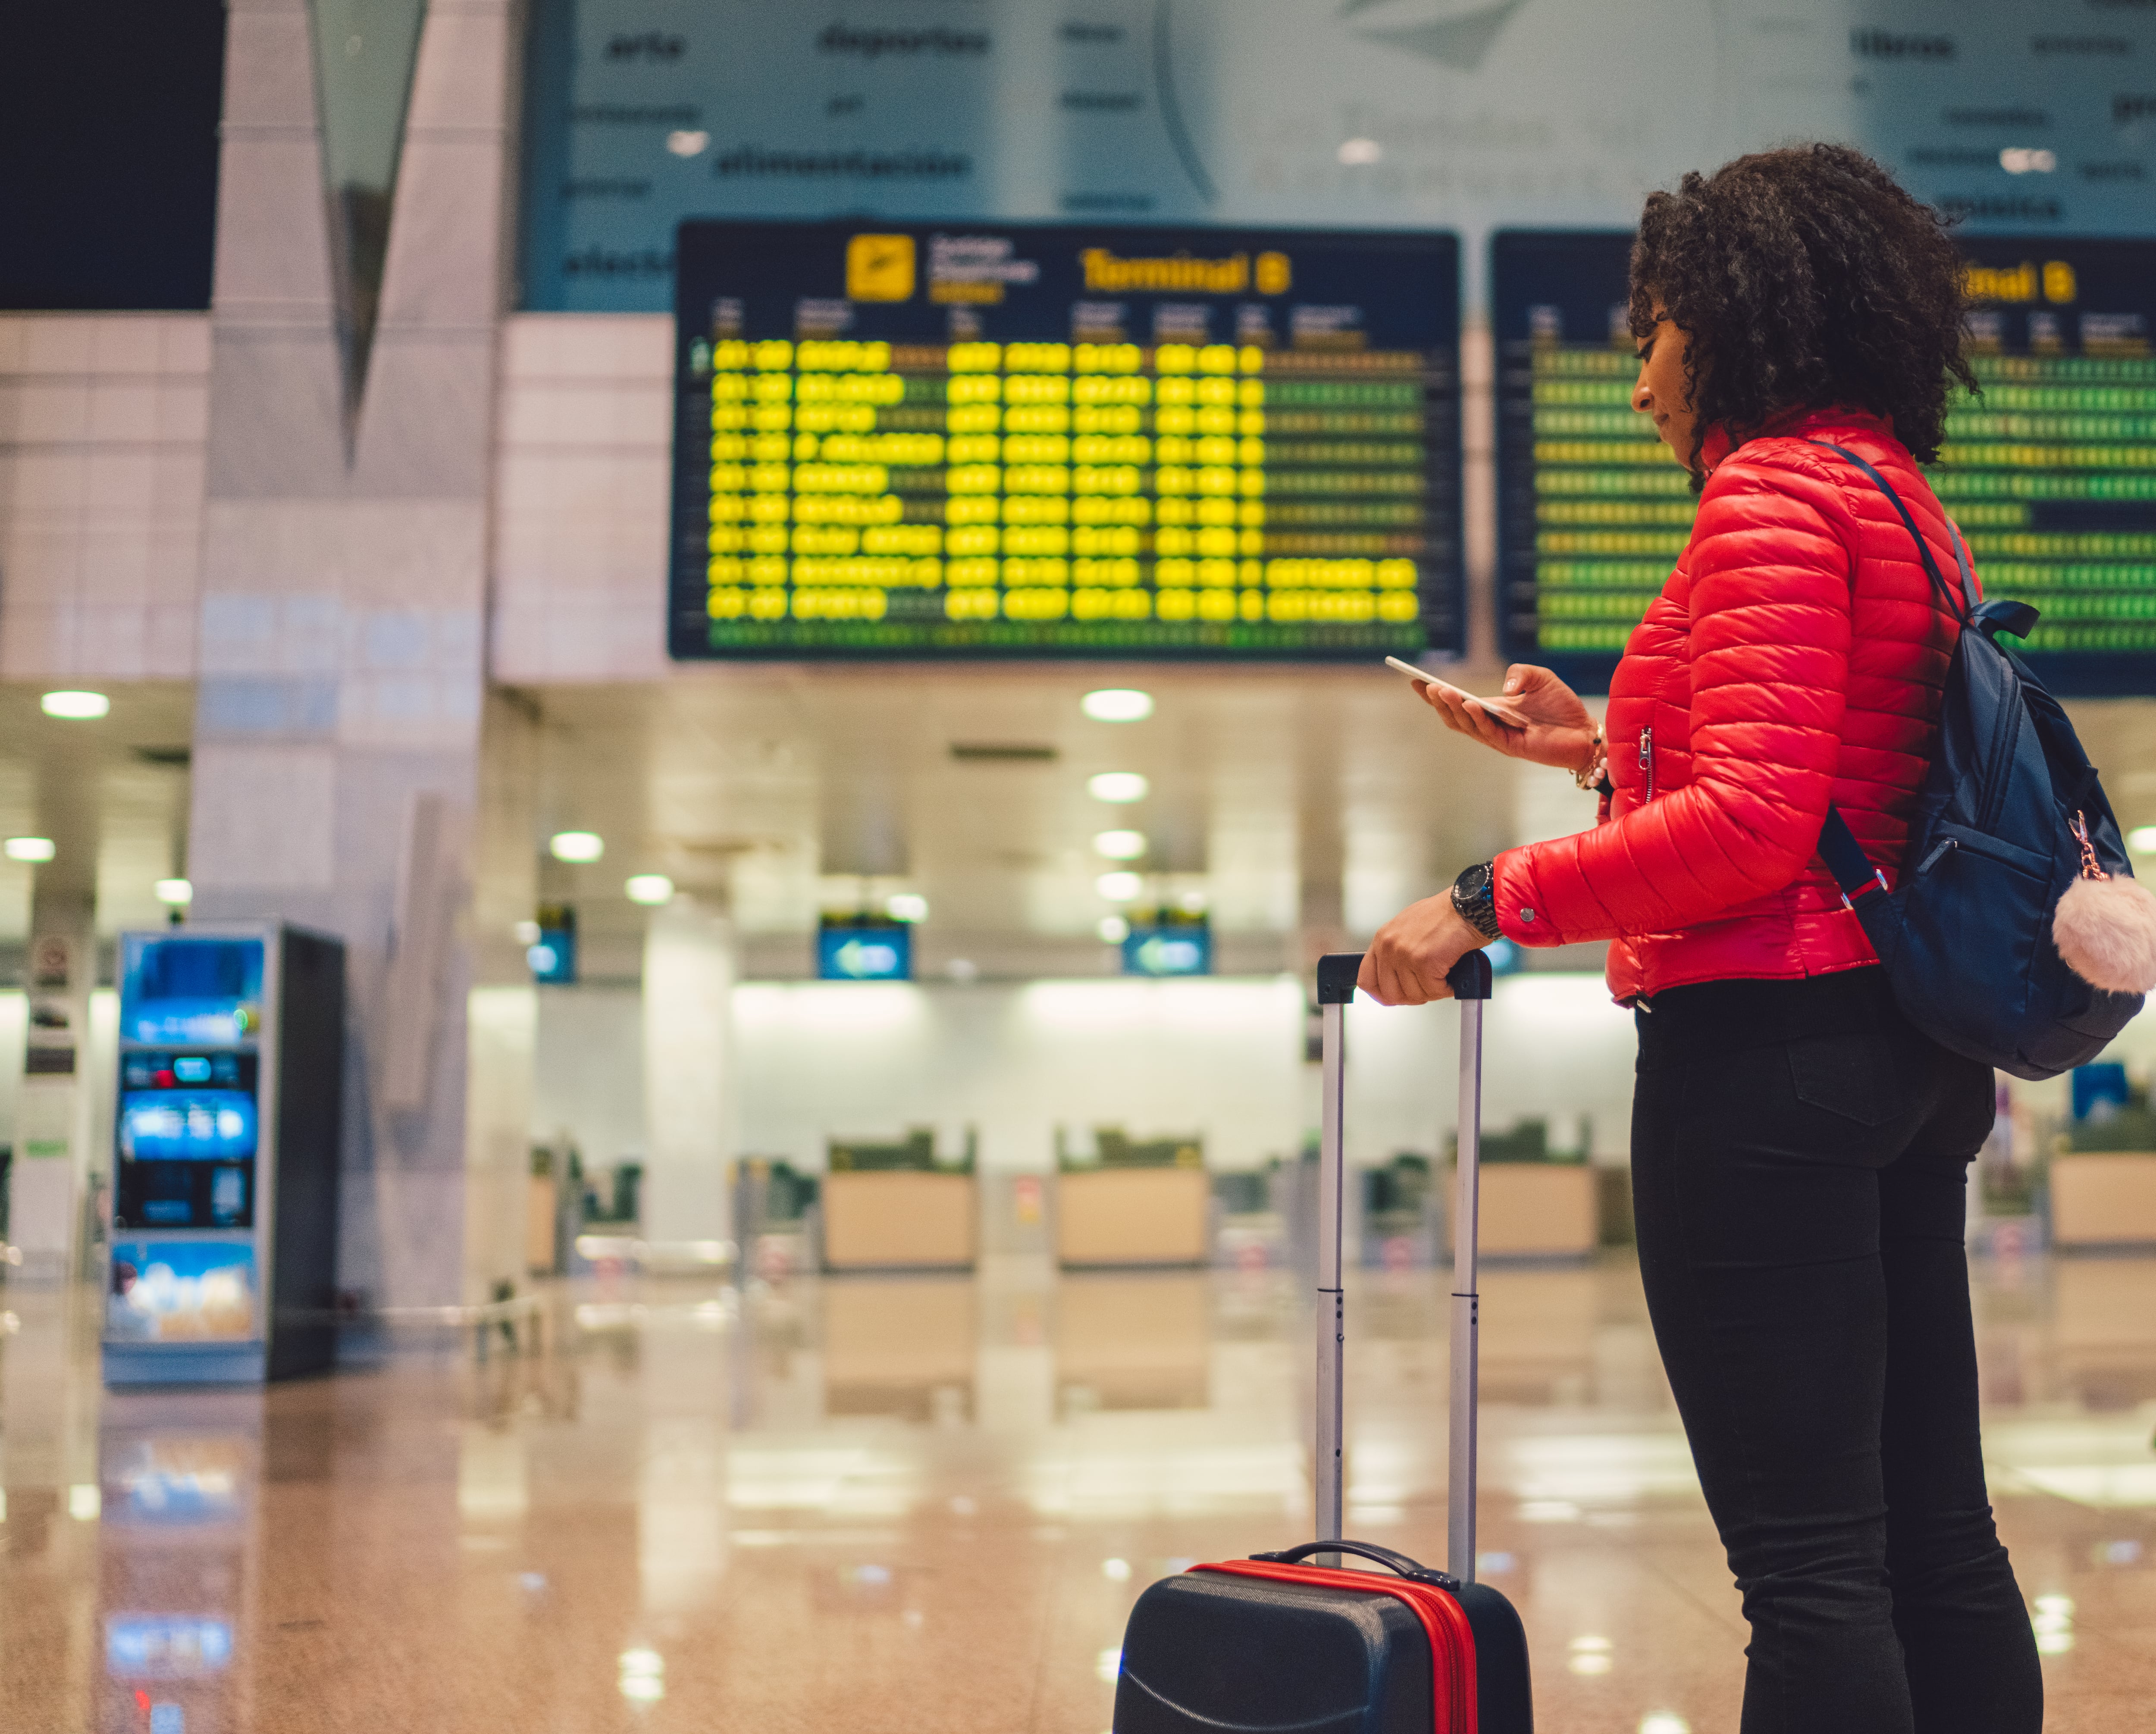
(576, 845)
(1113, 930)
(29, 848)
(1120, 845)
(906, 906)
(652, 888)
(76, 706)
(2141, 839)
(1119, 787)
(1117, 704)
(176, 892)
(1120, 887)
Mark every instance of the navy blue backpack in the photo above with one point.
(2009, 816)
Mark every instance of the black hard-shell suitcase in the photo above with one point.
(1270, 1645)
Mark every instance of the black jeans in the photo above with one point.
(1799, 1158)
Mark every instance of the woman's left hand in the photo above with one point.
(1411, 954)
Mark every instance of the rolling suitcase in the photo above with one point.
(1273, 1643)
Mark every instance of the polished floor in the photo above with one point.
(929, 1504)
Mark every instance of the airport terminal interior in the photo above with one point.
(686, 689)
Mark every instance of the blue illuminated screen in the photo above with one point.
(192, 990)
(868, 953)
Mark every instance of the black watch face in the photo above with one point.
(1474, 882)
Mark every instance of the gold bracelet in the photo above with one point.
(1597, 755)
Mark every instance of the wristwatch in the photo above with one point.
(1474, 895)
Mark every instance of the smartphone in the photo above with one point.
(1504, 710)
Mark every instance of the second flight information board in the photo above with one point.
(2051, 473)
(995, 441)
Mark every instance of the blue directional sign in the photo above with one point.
(880, 952)
(1181, 948)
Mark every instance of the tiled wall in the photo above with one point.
(582, 458)
(102, 419)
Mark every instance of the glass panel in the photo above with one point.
(365, 51)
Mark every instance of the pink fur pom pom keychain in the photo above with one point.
(2105, 928)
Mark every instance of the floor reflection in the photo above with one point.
(929, 1501)
(177, 1480)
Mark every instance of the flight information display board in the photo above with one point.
(997, 440)
(1592, 511)
(2051, 472)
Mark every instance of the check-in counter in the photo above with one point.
(1110, 1217)
(2103, 1200)
(898, 1220)
(1537, 1210)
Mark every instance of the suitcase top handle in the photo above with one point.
(1398, 1562)
(1468, 978)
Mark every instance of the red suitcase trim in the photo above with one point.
(1451, 1639)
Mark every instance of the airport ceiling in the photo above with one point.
(1297, 805)
(1283, 798)
(1301, 804)
(111, 794)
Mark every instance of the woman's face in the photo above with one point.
(1663, 392)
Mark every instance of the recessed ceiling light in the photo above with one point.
(28, 848)
(906, 906)
(1120, 845)
(1360, 153)
(1192, 900)
(1119, 786)
(1113, 930)
(76, 706)
(651, 888)
(1120, 887)
(1117, 704)
(176, 892)
(576, 845)
(2141, 839)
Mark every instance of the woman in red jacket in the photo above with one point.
(1799, 1150)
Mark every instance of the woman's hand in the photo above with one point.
(1560, 731)
(1410, 955)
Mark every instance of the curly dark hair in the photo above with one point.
(1805, 277)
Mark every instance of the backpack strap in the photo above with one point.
(1967, 578)
(1846, 860)
(1838, 847)
(1923, 548)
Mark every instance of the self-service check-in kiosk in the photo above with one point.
(228, 1126)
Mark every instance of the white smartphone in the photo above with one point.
(1504, 710)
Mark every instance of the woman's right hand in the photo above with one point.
(1560, 731)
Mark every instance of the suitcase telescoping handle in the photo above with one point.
(1469, 980)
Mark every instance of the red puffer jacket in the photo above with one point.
(1795, 657)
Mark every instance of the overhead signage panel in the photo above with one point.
(1468, 115)
(1008, 440)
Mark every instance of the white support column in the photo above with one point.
(688, 1106)
(337, 734)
